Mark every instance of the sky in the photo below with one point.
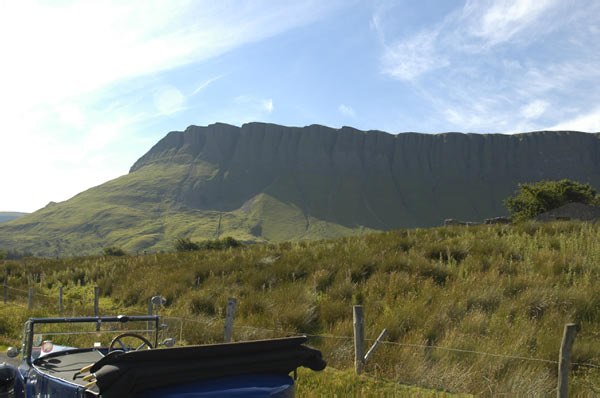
(87, 87)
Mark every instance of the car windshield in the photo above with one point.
(50, 337)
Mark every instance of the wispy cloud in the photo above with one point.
(589, 122)
(59, 69)
(500, 65)
(408, 59)
(205, 84)
(347, 110)
(498, 22)
(534, 109)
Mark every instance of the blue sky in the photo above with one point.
(88, 87)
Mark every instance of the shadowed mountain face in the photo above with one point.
(264, 182)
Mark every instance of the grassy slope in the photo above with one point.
(495, 289)
(132, 212)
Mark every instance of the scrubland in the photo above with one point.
(447, 296)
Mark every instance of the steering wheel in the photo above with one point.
(117, 340)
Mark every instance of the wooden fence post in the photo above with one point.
(564, 360)
(359, 338)
(60, 300)
(96, 309)
(5, 290)
(229, 317)
(96, 298)
(149, 324)
(30, 304)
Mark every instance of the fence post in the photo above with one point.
(229, 317)
(149, 324)
(359, 338)
(564, 360)
(5, 290)
(96, 309)
(60, 300)
(30, 304)
(96, 294)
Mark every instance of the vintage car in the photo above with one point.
(122, 357)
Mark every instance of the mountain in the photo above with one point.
(10, 215)
(270, 183)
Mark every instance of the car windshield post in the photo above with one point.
(27, 341)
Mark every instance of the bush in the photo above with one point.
(113, 251)
(531, 200)
(185, 245)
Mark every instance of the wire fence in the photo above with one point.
(204, 329)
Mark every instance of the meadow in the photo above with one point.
(449, 297)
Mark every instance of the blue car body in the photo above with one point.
(256, 369)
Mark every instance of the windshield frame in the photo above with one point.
(29, 328)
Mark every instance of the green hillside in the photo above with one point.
(268, 183)
(468, 309)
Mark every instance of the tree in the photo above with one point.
(533, 199)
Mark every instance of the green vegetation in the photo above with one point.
(335, 383)
(186, 245)
(534, 199)
(498, 289)
(138, 212)
(113, 251)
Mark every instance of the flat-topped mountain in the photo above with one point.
(265, 182)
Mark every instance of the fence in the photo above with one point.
(176, 327)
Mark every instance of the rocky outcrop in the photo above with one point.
(571, 211)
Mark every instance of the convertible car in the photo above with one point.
(122, 357)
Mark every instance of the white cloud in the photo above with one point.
(408, 59)
(499, 65)
(589, 122)
(268, 105)
(60, 61)
(347, 110)
(501, 20)
(534, 109)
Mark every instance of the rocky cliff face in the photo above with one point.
(269, 183)
(372, 178)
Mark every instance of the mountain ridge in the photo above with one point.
(266, 183)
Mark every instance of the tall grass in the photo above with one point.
(492, 289)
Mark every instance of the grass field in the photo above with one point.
(505, 290)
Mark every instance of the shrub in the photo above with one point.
(113, 251)
(185, 245)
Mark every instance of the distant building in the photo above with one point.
(571, 211)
